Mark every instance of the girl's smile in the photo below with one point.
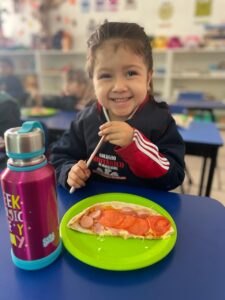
(117, 100)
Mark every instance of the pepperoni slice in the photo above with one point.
(111, 218)
(159, 225)
(140, 227)
(86, 222)
(127, 222)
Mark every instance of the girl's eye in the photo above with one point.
(131, 73)
(104, 76)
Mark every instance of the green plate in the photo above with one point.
(42, 112)
(115, 253)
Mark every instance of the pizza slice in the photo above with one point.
(122, 219)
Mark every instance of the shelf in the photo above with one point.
(16, 52)
(197, 77)
(25, 72)
(177, 66)
(197, 50)
(159, 76)
(60, 53)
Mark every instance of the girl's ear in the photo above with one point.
(149, 77)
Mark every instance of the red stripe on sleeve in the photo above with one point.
(144, 158)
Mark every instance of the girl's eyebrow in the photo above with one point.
(132, 66)
(123, 67)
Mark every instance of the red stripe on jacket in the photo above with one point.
(143, 157)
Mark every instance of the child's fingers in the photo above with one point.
(112, 136)
(112, 127)
(105, 125)
(121, 137)
(85, 169)
(106, 130)
(81, 168)
(77, 178)
(78, 175)
(83, 165)
(78, 183)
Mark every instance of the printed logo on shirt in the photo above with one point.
(108, 166)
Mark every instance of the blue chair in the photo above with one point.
(197, 96)
(191, 96)
(176, 109)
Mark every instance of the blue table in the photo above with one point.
(206, 105)
(55, 124)
(60, 121)
(201, 139)
(195, 269)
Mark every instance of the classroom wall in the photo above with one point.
(183, 20)
(159, 17)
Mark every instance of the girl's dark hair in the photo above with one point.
(130, 34)
(77, 75)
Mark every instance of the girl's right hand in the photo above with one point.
(78, 174)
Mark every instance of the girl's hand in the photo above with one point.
(117, 133)
(78, 174)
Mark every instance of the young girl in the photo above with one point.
(142, 145)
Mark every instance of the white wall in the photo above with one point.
(183, 22)
(19, 26)
(146, 13)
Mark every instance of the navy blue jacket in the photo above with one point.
(154, 159)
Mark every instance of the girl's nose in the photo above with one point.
(119, 85)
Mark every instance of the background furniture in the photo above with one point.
(191, 96)
(203, 139)
(190, 104)
(175, 70)
(47, 65)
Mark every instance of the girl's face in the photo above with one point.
(121, 80)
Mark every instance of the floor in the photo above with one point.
(194, 165)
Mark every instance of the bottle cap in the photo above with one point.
(25, 142)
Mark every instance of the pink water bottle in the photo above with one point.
(29, 192)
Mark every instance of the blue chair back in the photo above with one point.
(191, 96)
(176, 109)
